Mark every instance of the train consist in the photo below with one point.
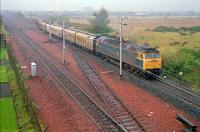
(142, 59)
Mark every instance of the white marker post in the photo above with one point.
(180, 74)
(63, 42)
(33, 69)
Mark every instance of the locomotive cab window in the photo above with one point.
(141, 56)
(137, 55)
(152, 55)
(156, 55)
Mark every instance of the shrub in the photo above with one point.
(186, 61)
(164, 29)
(181, 30)
(194, 29)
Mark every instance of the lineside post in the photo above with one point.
(120, 49)
(49, 29)
(120, 46)
(63, 24)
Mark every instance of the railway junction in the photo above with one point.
(87, 94)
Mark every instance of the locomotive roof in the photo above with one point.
(127, 45)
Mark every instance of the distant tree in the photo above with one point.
(20, 14)
(166, 16)
(99, 24)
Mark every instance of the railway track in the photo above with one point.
(185, 93)
(94, 111)
(189, 98)
(180, 96)
(115, 105)
(185, 98)
(182, 93)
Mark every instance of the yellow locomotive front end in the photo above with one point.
(149, 60)
(152, 62)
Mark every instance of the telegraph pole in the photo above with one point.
(120, 49)
(120, 46)
(49, 29)
(63, 42)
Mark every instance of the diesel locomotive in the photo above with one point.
(141, 59)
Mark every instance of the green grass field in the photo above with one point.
(3, 53)
(8, 121)
(4, 75)
(168, 43)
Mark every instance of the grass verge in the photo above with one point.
(3, 73)
(8, 118)
(24, 121)
(3, 53)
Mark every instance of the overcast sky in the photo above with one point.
(112, 5)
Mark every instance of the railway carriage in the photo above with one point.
(42, 26)
(86, 40)
(56, 31)
(70, 35)
(47, 28)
